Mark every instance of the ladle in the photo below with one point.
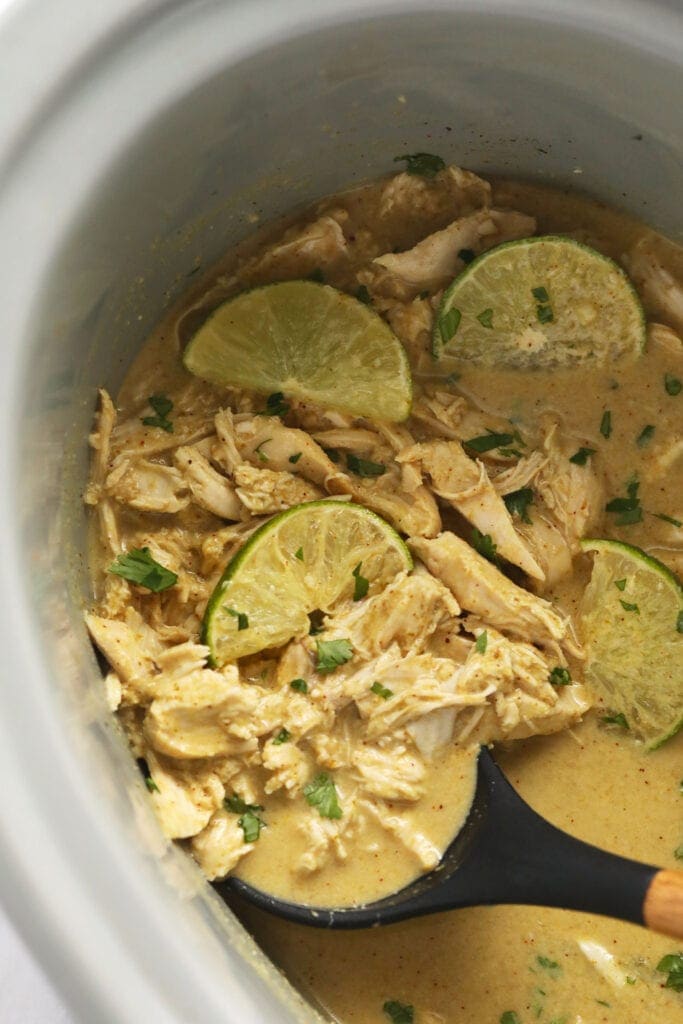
(507, 853)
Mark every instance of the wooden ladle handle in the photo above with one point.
(663, 905)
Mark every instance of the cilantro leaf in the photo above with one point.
(620, 584)
(560, 676)
(363, 295)
(332, 654)
(147, 776)
(544, 314)
(275, 405)
(258, 449)
(251, 826)
(548, 965)
(679, 623)
(606, 424)
(672, 384)
(138, 566)
(426, 165)
(678, 852)
(332, 454)
(667, 519)
(541, 294)
(618, 719)
(284, 736)
(517, 503)
(399, 1013)
(510, 1017)
(162, 406)
(299, 553)
(448, 324)
(628, 607)
(381, 691)
(322, 793)
(242, 619)
(645, 436)
(581, 457)
(360, 584)
(490, 440)
(485, 318)
(672, 965)
(483, 543)
(295, 458)
(482, 643)
(364, 467)
(300, 685)
(466, 255)
(237, 805)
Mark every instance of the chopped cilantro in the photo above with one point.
(606, 424)
(509, 1017)
(275, 405)
(332, 454)
(381, 691)
(482, 643)
(162, 406)
(295, 458)
(544, 314)
(581, 457)
(138, 566)
(672, 384)
(151, 784)
(485, 318)
(299, 553)
(510, 453)
(629, 509)
(426, 165)
(317, 276)
(603, 1002)
(560, 676)
(363, 295)
(466, 255)
(258, 450)
(620, 584)
(678, 852)
(667, 519)
(490, 440)
(360, 584)
(672, 965)
(483, 543)
(548, 965)
(645, 436)
(617, 719)
(300, 685)
(251, 826)
(322, 793)
(237, 805)
(242, 619)
(399, 1013)
(284, 736)
(364, 467)
(628, 607)
(679, 623)
(448, 324)
(517, 503)
(632, 486)
(541, 294)
(147, 776)
(332, 654)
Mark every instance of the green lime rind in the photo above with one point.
(634, 659)
(597, 316)
(311, 342)
(276, 589)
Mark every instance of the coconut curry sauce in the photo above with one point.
(179, 471)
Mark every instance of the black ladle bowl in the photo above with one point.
(507, 853)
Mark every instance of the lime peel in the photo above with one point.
(274, 589)
(634, 650)
(550, 302)
(309, 341)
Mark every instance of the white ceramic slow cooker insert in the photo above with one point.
(138, 140)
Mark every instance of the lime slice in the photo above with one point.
(632, 618)
(540, 303)
(308, 341)
(300, 561)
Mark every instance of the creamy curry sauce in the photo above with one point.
(477, 965)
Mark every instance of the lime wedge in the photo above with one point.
(308, 341)
(540, 303)
(300, 561)
(632, 618)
